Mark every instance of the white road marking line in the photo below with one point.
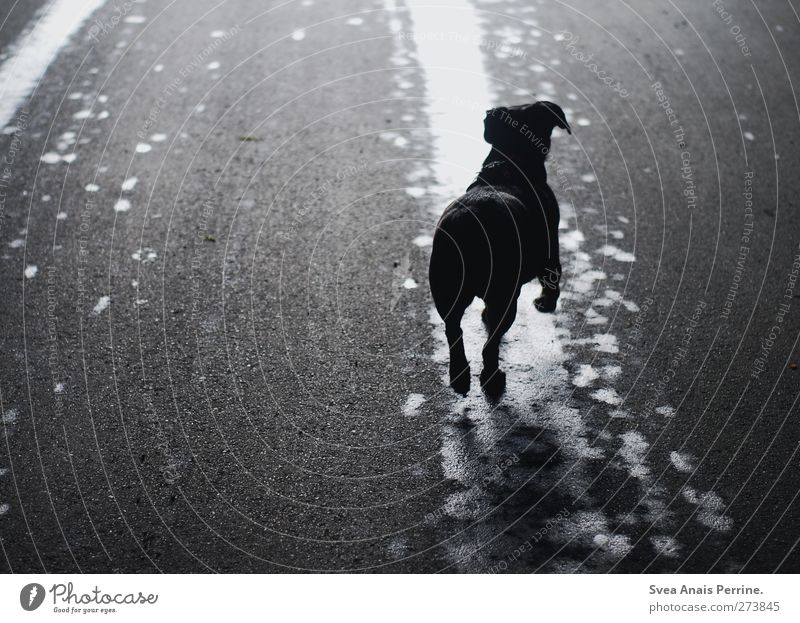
(35, 49)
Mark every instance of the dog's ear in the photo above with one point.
(497, 128)
(553, 115)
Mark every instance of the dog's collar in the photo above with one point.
(494, 171)
(496, 164)
(503, 172)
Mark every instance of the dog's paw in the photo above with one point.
(460, 381)
(493, 383)
(545, 304)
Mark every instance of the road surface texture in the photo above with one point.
(219, 351)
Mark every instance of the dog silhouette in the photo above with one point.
(499, 235)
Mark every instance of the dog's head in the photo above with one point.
(524, 130)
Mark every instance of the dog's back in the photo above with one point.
(488, 243)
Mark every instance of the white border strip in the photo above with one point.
(35, 49)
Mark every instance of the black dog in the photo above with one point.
(499, 235)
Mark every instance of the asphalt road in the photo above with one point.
(218, 349)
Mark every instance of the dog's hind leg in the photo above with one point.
(499, 316)
(459, 366)
(452, 296)
(549, 280)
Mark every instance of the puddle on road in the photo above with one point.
(523, 468)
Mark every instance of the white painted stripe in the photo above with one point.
(36, 48)
(457, 89)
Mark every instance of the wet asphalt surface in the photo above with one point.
(230, 363)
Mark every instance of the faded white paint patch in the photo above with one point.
(690, 495)
(590, 528)
(398, 547)
(9, 416)
(4, 508)
(51, 157)
(597, 320)
(17, 243)
(158, 138)
(665, 410)
(633, 451)
(617, 544)
(91, 188)
(415, 191)
(423, 240)
(30, 271)
(410, 284)
(299, 34)
(710, 509)
(583, 283)
(129, 183)
(681, 462)
(412, 404)
(613, 252)
(606, 343)
(142, 148)
(102, 304)
(607, 395)
(58, 388)
(122, 205)
(586, 375)
(666, 545)
(144, 255)
(588, 178)
(571, 240)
